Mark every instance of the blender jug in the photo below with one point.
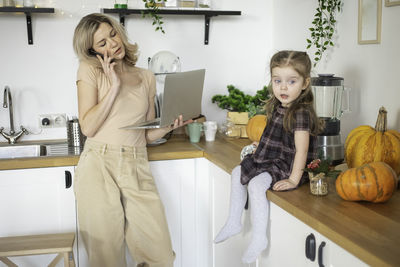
(328, 93)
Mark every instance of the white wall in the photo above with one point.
(42, 75)
(370, 71)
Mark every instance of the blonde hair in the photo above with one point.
(83, 39)
(301, 63)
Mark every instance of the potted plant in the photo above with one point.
(244, 105)
(240, 106)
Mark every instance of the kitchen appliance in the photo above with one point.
(74, 134)
(328, 93)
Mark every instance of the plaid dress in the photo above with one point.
(276, 150)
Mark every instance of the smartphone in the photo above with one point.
(94, 53)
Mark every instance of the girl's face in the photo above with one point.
(287, 84)
(106, 39)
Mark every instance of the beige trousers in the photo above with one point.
(118, 204)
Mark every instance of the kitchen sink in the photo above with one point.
(22, 151)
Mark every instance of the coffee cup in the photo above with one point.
(210, 129)
(194, 130)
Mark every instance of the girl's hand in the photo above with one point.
(255, 144)
(285, 184)
(108, 68)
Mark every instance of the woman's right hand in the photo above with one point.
(108, 68)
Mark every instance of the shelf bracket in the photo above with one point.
(207, 28)
(122, 19)
(29, 27)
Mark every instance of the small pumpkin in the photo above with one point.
(255, 127)
(374, 182)
(365, 144)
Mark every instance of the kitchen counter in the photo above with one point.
(369, 231)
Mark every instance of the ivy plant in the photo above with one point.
(323, 27)
(152, 8)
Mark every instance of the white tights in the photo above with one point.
(259, 207)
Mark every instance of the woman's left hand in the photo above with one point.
(179, 122)
(285, 184)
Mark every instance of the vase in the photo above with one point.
(318, 184)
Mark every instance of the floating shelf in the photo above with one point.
(27, 11)
(207, 13)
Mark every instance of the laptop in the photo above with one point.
(182, 96)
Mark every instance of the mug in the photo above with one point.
(210, 129)
(194, 130)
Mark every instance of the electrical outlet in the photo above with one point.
(52, 120)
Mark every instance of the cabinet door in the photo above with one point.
(287, 244)
(230, 252)
(36, 201)
(287, 236)
(334, 255)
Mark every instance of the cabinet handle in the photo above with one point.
(68, 179)
(310, 247)
(320, 249)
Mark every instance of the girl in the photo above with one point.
(287, 144)
(116, 195)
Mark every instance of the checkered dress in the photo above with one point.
(276, 151)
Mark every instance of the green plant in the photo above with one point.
(238, 101)
(322, 166)
(152, 12)
(323, 27)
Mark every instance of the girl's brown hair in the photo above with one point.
(83, 39)
(301, 63)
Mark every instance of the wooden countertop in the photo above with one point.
(367, 230)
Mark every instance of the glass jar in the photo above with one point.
(318, 184)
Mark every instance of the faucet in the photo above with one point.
(11, 137)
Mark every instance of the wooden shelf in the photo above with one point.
(207, 13)
(28, 11)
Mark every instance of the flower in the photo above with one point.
(321, 166)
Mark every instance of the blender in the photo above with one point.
(328, 91)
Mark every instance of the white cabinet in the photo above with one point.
(230, 252)
(287, 237)
(37, 201)
(184, 192)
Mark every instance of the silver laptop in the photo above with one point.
(182, 96)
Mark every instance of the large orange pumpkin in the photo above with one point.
(365, 144)
(374, 182)
(255, 127)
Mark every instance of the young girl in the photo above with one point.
(287, 144)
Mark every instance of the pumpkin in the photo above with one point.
(365, 144)
(255, 127)
(374, 182)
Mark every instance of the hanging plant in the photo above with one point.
(323, 27)
(152, 8)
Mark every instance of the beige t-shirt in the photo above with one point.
(130, 106)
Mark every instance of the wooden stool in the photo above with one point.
(60, 244)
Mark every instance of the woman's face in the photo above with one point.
(287, 84)
(106, 39)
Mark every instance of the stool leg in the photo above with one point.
(66, 259)
(8, 262)
(54, 262)
(71, 259)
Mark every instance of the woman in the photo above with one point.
(116, 195)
